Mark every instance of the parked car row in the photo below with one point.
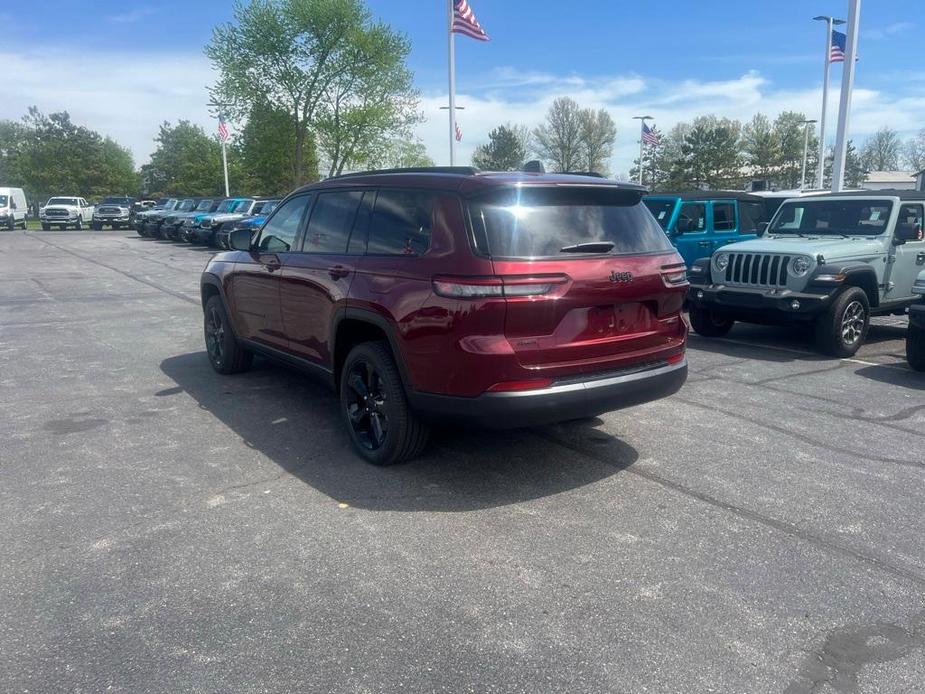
(65, 211)
(203, 221)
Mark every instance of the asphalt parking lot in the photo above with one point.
(167, 529)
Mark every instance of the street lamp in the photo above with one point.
(642, 124)
(806, 124)
(829, 23)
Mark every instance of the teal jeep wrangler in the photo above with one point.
(832, 261)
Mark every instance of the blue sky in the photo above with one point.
(123, 67)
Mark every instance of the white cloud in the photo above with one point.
(128, 95)
(131, 16)
(887, 31)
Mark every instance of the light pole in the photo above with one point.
(806, 123)
(829, 23)
(642, 124)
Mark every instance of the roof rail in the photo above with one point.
(454, 170)
(592, 174)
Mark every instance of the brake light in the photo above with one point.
(487, 287)
(674, 275)
(675, 358)
(526, 384)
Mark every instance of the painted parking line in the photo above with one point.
(791, 350)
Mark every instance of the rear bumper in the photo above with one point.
(759, 305)
(565, 400)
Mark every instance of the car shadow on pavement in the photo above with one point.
(783, 344)
(895, 376)
(294, 421)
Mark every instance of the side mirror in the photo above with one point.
(240, 240)
(907, 232)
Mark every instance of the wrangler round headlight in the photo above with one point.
(800, 265)
(721, 261)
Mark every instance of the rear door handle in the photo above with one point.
(338, 272)
(705, 244)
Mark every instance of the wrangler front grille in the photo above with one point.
(757, 270)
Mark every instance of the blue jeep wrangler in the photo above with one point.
(699, 223)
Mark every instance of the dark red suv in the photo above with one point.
(500, 299)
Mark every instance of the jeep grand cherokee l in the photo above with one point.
(500, 299)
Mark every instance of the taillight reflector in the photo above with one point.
(526, 384)
(675, 358)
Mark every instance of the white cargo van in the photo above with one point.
(12, 208)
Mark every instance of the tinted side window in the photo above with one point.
(910, 216)
(278, 234)
(692, 218)
(724, 216)
(401, 223)
(358, 237)
(331, 221)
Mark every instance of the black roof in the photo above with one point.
(710, 195)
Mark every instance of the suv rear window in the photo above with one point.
(541, 222)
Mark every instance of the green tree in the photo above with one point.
(789, 128)
(598, 134)
(326, 64)
(504, 151)
(882, 150)
(266, 150)
(12, 137)
(855, 172)
(57, 156)
(401, 154)
(558, 141)
(186, 162)
(761, 147)
(710, 157)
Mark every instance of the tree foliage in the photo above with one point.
(324, 63)
(504, 151)
(265, 150)
(186, 162)
(51, 155)
(913, 152)
(401, 153)
(558, 139)
(598, 134)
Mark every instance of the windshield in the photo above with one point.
(243, 205)
(204, 206)
(186, 205)
(116, 201)
(847, 217)
(62, 201)
(226, 206)
(661, 209)
(554, 222)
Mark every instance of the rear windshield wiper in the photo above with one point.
(590, 247)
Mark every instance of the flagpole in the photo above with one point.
(830, 23)
(225, 167)
(642, 124)
(452, 77)
(847, 87)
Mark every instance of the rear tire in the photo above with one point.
(79, 225)
(225, 353)
(379, 421)
(842, 327)
(709, 324)
(915, 347)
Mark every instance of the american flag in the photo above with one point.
(222, 128)
(649, 135)
(837, 50)
(464, 22)
(458, 133)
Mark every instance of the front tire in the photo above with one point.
(225, 354)
(379, 421)
(915, 347)
(709, 323)
(79, 225)
(96, 227)
(842, 327)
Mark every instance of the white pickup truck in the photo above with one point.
(64, 212)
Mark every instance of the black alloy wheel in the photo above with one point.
(366, 405)
(225, 354)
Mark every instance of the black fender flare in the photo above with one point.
(383, 323)
(828, 278)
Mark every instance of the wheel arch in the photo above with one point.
(354, 326)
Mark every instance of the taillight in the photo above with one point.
(486, 287)
(674, 275)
